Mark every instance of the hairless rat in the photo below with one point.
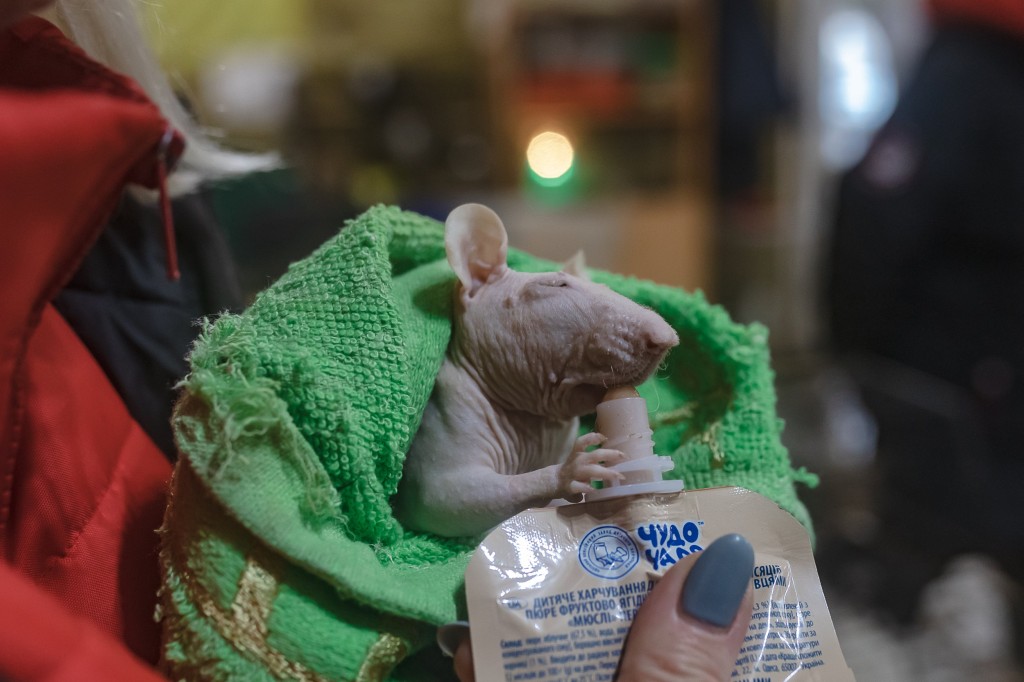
(530, 353)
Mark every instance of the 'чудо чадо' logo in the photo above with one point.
(666, 543)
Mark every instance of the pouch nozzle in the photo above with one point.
(622, 418)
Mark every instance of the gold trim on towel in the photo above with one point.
(710, 439)
(257, 589)
(245, 626)
(382, 657)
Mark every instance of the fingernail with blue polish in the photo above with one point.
(718, 581)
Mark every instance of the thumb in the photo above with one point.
(693, 622)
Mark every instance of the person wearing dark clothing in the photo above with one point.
(94, 327)
(926, 290)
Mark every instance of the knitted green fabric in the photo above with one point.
(281, 557)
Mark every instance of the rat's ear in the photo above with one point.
(477, 246)
(576, 266)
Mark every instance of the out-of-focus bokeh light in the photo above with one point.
(250, 89)
(550, 155)
(858, 83)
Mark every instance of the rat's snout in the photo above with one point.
(660, 338)
(656, 335)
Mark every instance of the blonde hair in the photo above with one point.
(110, 32)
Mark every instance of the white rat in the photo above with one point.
(529, 354)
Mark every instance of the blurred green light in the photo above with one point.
(551, 183)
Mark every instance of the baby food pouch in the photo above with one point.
(552, 591)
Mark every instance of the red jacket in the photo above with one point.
(1003, 15)
(82, 487)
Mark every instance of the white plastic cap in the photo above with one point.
(622, 419)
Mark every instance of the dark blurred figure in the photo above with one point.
(926, 297)
(749, 96)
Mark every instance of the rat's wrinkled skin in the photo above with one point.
(529, 354)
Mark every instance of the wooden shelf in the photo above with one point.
(607, 67)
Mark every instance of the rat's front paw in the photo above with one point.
(582, 467)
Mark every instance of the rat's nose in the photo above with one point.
(660, 338)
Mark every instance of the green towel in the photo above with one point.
(280, 555)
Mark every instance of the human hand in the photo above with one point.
(692, 624)
(690, 627)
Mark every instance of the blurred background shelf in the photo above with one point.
(629, 85)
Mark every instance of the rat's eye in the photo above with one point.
(540, 288)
